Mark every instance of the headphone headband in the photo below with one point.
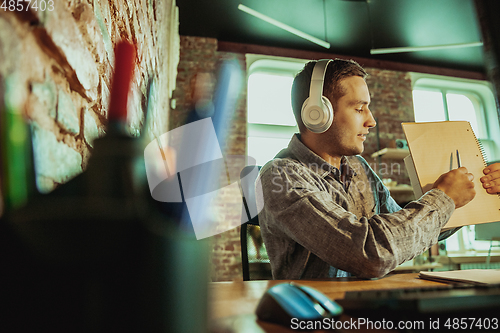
(317, 111)
(317, 80)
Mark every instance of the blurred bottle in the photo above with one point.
(16, 159)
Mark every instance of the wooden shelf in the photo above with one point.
(393, 153)
(417, 268)
(401, 189)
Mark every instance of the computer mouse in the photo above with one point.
(286, 301)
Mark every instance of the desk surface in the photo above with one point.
(233, 303)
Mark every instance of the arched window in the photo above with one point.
(437, 98)
(440, 98)
(270, 120)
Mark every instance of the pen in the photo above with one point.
(458, 159)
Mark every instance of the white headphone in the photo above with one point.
(317, 111)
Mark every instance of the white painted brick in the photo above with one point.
(62, 28)
(45, 97)
(90, 129)
(67, 113)
(54, 159)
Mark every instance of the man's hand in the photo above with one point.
(491, 182)
(458, 185)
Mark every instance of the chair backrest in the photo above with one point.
(249, 218)
(248, 176)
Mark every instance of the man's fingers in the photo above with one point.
(464, 170)
(492, 186)
(490, 176)
(493, 190)
(492, 168)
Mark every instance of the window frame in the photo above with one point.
(481, 95)
(277, 66)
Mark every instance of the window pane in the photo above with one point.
(269, 99)
(452, 243)
(264, 149)
(476, 244)
(428, 105)
(460, 107)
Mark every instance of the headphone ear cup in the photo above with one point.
(328, 108)
(317, 119)
(317, 111)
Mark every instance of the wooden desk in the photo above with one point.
(232, 304)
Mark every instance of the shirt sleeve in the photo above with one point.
(297, 206)
(387, 203)
(384, 201)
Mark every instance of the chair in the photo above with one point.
(250, 229)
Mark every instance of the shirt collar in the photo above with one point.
(298, 150)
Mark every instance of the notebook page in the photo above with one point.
(476, 276)
(431, 145)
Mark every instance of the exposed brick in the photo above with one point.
(101, 12)
(54, 159)
(88, 23)
(90, 129)
(45, 96)
(62, 66)
(62, 29)
(67, 113)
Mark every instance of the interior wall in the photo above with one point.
(56, 69)
(391, 104)
(200, 56)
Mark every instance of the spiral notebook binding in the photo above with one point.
(481, 148)
(483, 152)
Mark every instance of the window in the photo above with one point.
(441, 98)
(270, 120)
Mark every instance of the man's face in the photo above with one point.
(352, 119)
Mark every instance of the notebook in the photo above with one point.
(431, 145)
(474, 276)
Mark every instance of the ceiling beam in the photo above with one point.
(365, 62)
(404, 49)
(284, 26)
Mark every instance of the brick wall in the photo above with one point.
(57, 65)
(391, 104)
(199, 55)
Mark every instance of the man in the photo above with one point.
(326, 213)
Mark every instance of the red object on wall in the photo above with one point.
(122, 77)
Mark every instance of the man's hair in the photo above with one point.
(336, 71)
